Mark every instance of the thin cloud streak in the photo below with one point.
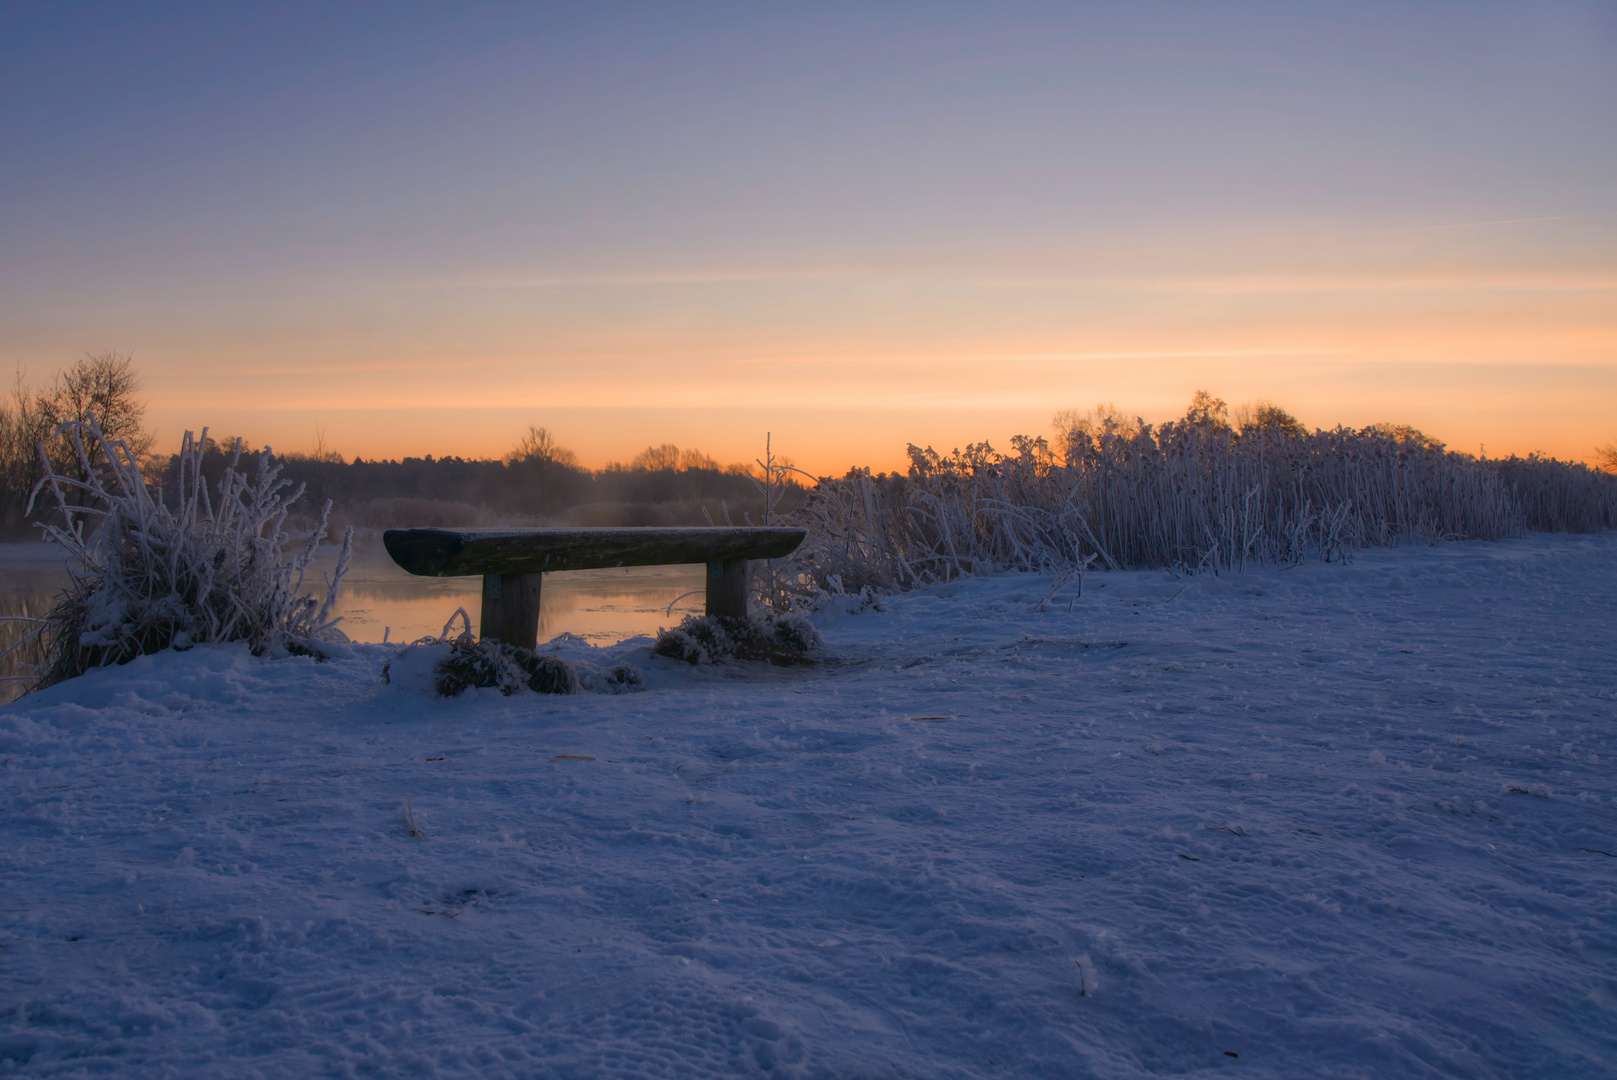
(627, 279)
(1500, 221)
(868, 207)
(991, 276)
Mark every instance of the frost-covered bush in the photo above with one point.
(702, 639)
(494, 664)
(831, 596)
(622, 678)
(1195, 495)
(705, 639)
(450, 663)
(794, 633)
(149, 574)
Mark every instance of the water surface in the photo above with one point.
(379, 601)
(603, 606)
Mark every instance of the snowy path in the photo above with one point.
(1268, 816)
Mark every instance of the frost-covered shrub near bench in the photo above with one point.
(622, 678)
(496, 665)
(150, 574)
(705, 639)
(449, 663)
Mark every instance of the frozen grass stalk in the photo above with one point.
(408, 814)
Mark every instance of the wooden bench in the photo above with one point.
(511, 562)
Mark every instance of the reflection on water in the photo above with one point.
(30, 577)
(377, 598)
(604, 606)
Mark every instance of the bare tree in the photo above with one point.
(657, 458)
(20, 432)
(1207, 409)
(539, 447)
(695, 459)
(1076, 430)
(1266, 416)
(321, 473)
(103, 386)
(1405, 434)
(1606, 457)
(538, 457)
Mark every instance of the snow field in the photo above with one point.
(1331, 821)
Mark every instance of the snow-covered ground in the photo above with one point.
(1331, 821)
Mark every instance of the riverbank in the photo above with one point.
(1334, 821)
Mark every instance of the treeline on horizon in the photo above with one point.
(537, 482)
(1131, 493)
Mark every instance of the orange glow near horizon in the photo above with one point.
(852, 227)
(846, 371)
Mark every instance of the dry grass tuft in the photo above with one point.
(496, 665)
(782, 639)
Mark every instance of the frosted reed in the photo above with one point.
(1188, 497)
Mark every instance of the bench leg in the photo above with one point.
(511, 609)
(728, 586)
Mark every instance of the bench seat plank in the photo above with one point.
(456, 552)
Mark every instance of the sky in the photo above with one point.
(410, 229)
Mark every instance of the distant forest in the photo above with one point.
(663, 485)
(537, 482)
(1164, 475)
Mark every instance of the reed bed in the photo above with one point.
(1192, 496)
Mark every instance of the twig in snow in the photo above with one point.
(409, 819)
(1086, 974)
(1061, 582)
(465, 622)
(1597, 851)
